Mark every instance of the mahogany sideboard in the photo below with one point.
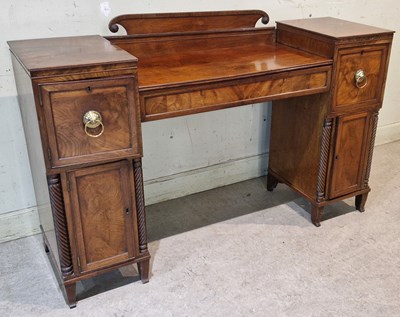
(83, 99)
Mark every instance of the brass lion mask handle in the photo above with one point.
(360, 79)
(92, 120)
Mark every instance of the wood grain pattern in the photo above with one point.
(188, 63)
(167, 49)
(101, 202)
(187, 21)
(336, 29)
(259, 89)
(225, 64)
(344, 162)
(312, 43)
(175, 60)
(349, 154)
(65, 55)
(371, 60)
(295, 145)
(65, 105)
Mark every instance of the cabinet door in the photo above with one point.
(101, 200)
(349, 154)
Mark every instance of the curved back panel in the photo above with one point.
(139, 24)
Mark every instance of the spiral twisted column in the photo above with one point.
(371, 147)
(60, 224)
(141, 215)
(323, 160)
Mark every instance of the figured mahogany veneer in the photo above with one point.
(345, 118)
(348, 163)
(89, 186)
(64, 107)
(69, 55)
(175, 102)
(187, 72)
(187, 21)
(371, 59)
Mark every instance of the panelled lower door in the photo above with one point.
(101, 202)
(349, 155)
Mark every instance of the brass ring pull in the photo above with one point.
(92, 120)
(360, 79)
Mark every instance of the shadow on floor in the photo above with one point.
(107, 281)
(201, 209)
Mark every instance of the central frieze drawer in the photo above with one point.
(91, 121)
(171, 102)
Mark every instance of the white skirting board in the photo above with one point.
(388, 133)
(205, 178)
(18, 224)
(22, 223)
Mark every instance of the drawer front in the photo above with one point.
(165, 103)
(368, 64)
(112, 126)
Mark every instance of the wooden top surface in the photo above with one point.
(335, 28)
(223, 63)
(68, 52)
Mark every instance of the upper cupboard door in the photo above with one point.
(91, 121)
(360, 76)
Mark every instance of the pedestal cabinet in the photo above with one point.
(322, 145)
(79, 105)
(79, 99)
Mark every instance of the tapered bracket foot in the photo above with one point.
(360, 202)
(70, 292)
(316, 214)
(143, 268)
(272, 182)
